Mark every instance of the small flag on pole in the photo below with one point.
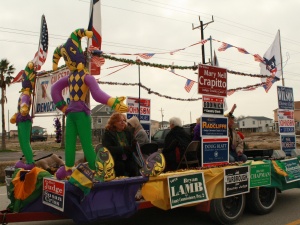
(41, 55)
(188, 85)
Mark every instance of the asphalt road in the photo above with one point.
(15, 155)
(285, 212)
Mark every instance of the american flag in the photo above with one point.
(188, 85)
(18, 78)
(95, 26)
(230, 92)
(41, 55)
(242, 50)
(258, 58)
(96, 60)
(269, 82)
(224, 46)
(146, 55)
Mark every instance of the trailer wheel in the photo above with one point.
(261, 200)
(227, 210)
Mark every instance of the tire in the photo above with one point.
(227, 210)
(261, 200)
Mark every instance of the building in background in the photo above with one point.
(255, 124)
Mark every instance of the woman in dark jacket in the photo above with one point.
(176, 142)
(119, 141)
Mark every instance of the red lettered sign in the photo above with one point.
(212, 80)
(54, 193)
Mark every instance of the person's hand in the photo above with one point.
(117, 104)
(239, 153)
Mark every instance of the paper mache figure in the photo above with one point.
(22, 118)
(79, 82)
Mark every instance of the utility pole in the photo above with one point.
(202, 35)
(162, 118)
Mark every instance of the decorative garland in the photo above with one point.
(149, 91)
(141, 63)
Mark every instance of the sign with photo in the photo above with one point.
(288, 143)
(186, 189)
(285, 98)
(260, 175)
(292, 167)
(215, 151)
(43, 103)
(54, 193)
(213, 105)
(213, 126)
(236, 181)
(212, 80)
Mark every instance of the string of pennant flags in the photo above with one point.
(270, 79)
(171, 68)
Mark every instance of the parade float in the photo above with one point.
(90, 192)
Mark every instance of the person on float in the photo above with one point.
(139, 133)
(236, 147)
(196, 131)
(176, 142)
(22, 118)
(120, 142)
(79, 82)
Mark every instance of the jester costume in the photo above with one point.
(22, 118)
(79, 83)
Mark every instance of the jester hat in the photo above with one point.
(71, 51)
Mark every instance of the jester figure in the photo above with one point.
(79, 81)
(22, 118)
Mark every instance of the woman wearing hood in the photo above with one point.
(139, 133)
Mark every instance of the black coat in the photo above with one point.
(123, 167)
(177, 137)
(110, 141)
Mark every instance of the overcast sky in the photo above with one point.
(139, 26)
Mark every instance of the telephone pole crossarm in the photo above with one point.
(202, 34)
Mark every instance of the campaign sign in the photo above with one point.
(215, 151)
(213, 105)
(212, 80)
(236, 181)
(187, 189)
(213, 126)
(260, 175)
(288, 143)
(54, 193)
(286, 121)
(43, 103)
(285, 98)
(133, 109)
(292, 168)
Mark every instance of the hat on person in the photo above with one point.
(133, 121)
